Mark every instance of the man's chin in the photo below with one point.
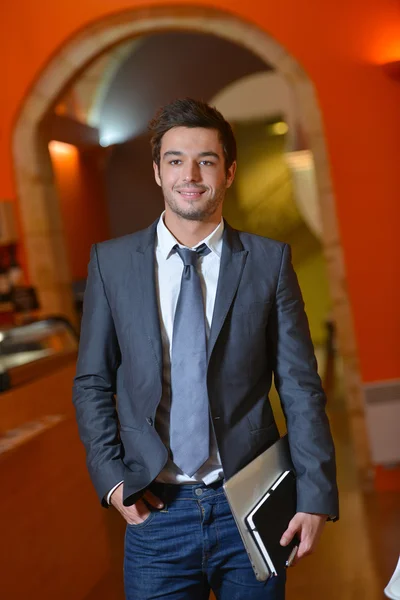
(191, 213)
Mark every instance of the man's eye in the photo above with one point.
(175, 162)
(207, 163)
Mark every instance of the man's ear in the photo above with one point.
(156, 174)
(230, 176)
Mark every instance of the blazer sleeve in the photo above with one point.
(95, 385)
(302, 397)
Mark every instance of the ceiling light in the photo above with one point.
(279, 128)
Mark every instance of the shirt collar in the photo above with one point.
(166, 241)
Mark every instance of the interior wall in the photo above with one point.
(202, 66)
(262, 201)
(134, 200)
(78, 177)
(342, 49)
(311, 273)
(165, 66)
(258, 96)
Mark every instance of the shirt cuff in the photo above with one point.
(108, 498)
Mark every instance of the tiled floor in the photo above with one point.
(356, 555)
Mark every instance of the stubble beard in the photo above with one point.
(191, 212)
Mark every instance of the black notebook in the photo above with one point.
(269, 519)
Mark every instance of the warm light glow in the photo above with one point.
(61, 148)
(61, 109)
(302, 160)
(387, 53)
(279, 128)
(382, 44)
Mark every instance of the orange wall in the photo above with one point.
(82, 203)
(341, 44)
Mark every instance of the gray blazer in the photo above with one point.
(259, 328)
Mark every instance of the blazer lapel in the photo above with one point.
(233, 259)
(144, 256)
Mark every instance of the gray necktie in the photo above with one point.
(189, 419)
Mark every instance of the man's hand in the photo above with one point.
(138, 512)
(309, 529)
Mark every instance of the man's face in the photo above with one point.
(192, 172)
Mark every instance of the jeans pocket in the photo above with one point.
(144, 523)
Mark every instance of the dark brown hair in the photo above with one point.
(186, 112)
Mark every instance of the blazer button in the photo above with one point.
(150, 421)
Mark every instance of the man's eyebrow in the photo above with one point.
(202, 154)
(172, 153)
(210, 153)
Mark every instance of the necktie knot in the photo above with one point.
(190, 257)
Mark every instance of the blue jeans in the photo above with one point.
(191, 546)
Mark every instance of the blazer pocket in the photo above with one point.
(272, 427)
(263, 438)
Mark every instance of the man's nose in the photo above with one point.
(192, 172)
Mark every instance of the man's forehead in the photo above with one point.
(193, 139)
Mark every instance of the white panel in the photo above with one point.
(383, 422)
(256, 96)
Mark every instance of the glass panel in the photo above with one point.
(27, 343)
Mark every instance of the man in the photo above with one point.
(185, 322)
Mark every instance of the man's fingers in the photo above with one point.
(152, 499)
(305, 549)
(141, 508)
(289, 534)
(309, 526)
(137, 513)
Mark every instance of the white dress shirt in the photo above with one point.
(169, 268)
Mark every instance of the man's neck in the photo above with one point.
(190, 233)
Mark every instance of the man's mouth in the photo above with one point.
(191, 193)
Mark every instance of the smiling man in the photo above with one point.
(193, 181)
(186, 322)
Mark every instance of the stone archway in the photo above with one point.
(41, 220)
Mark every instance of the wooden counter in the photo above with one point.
(55, 540)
